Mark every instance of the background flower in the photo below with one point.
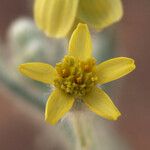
(57, 17)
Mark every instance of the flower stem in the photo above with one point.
(82, 131)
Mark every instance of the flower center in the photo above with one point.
(75, 77)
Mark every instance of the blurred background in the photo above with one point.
(22, 125)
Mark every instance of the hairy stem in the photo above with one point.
(82, 131)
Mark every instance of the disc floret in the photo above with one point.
(75, 77)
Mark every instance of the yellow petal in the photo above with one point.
(38, 71)
(114, 68)
(100, 103)
(80, 44)
(55, 17)
(100, 13)
(57, 105)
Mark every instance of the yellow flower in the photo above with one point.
(76, 78)
(57, 17)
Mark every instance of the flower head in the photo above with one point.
(57, 17)
(76, 78)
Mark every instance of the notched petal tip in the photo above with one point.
(133, 63)
(21, 68)
(115, 118)
(49, 121)
(82, 25)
